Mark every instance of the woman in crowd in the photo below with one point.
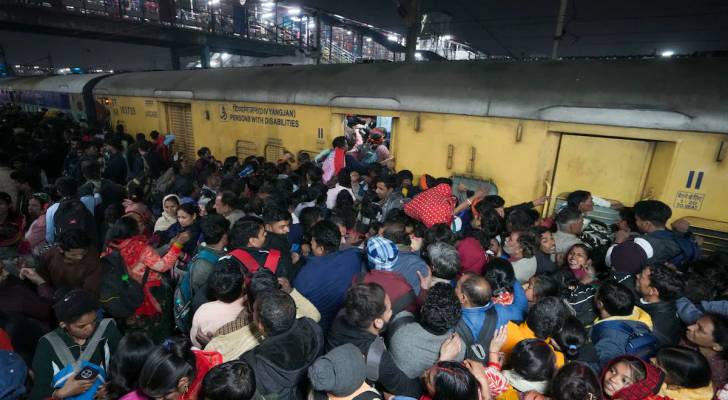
(126, 364)
(579, 283)
(630, 378)
(174, 371)
(37, 206)
(153, 316)
(170, 204)
(687, 374)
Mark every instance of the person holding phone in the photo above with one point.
(71, 361)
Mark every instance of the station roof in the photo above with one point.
(679, 94)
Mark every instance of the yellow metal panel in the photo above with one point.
(136, 114)
(607, 167)
(179, 123)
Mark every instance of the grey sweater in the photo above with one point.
(414, 349)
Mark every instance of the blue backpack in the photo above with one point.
(184, 293)
(81, 366)
(639, 344)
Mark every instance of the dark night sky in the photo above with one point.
(594, 27)
(517, 28)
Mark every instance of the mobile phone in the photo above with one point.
(87, 374)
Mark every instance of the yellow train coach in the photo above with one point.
(622, 129)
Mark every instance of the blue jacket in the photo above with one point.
(407, 265)
(610, 343)
(325, 280)
(517, 310)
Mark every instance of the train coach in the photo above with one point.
(70, 94)
(622, 129)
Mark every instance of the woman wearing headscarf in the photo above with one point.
(170, 204)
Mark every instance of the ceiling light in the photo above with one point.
(294, 11)
(392, 38)
(668, 53)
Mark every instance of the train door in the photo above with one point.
(614, 169)
(367, 129)
(179, 123)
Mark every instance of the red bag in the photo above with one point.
(433, 206)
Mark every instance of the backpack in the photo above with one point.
(643, 345)
(689, 249)
(81, 365)
(73, 214)
(185, 293)
(119, 294)
(271, 261)
(477, 348)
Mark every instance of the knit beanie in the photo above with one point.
(382, 253)
(340, 371)
(629, 257)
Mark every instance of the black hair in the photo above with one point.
(154, 134)
(274, 213)
(654, 211)
(529, 243)
(310, 216)
(547, 317)
(666, 281)
(476, 289)
(389, 181)
(617, 299)
(327, 234)
(75, 304)
(404, 174)
(115, 143)
(214, 227)
(226, 284)
(627, 214)
(501, 276)
(127, 362)
(534, 360)
(145, 146)
(438, 233)
(519, 220)
(263, 280)
(720, 332)
(190, 209)
(395, 230)
(453, 381)
(203, 151)
(567, 216)
(575, 198)
(243, 230)
(572, 336)
(544, 285)
(339, 141)
(166, 365)
(576, 381)
(276, 310)
(124, 228)
(229, 198)
(344, 178)
(74, 239)
(684, 367)
(444, 260)
(66, 186)
(441, 310)
(230, 380)
(493, 201)
(91, 169)
(363, 304)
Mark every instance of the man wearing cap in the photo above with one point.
(627, 259)
(383, 255)
(341, 373)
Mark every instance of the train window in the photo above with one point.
(371, 135)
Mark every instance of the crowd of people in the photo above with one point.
(131, 272)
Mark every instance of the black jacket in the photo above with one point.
(280, 243)
(260, 255)
(116, 169)
(391, 378)
(281, 362)
(666, 325)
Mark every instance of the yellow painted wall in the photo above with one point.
(519, 168)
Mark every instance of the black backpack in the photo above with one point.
(120, 295)
(477, 348)
(73, 214)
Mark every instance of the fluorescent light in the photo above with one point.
(392, 38)
(267, 16)
(348, 32)
(369, 39)
(296, 19)
(312, 24)
(447, 37)
(294, 11)
(668, 53)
